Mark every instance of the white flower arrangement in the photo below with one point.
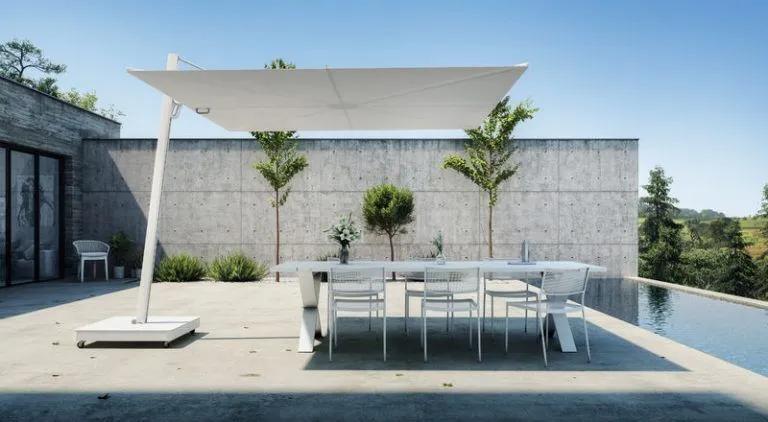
(345, 232)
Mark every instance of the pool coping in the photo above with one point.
(755, 303)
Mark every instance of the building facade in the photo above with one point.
(40, 178)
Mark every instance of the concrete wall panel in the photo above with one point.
(572, 199)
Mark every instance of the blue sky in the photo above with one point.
(687, 78)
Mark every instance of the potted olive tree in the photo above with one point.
(121, 247)
(387, 210)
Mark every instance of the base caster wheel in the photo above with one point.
(80, 344)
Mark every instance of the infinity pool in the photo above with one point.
(732, 332)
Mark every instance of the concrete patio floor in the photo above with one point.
(242, 363)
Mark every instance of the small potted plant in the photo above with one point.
(136, 260)
(121, 247)
(345, 232)
(437, 242)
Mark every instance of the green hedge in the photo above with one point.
(237, 267)
(181, 267)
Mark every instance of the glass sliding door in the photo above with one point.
(23, 217)
(49, 216)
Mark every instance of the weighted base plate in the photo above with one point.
(163, 329)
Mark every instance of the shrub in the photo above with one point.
(181, 267)
(237, 267)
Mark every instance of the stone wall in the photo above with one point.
(35, 120)
(574, 199)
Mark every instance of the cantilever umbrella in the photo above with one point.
(299, 99)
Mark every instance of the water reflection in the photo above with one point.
(659, 307)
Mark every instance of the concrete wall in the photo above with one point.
(574, 199)
(35, 120)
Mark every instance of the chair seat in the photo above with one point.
(87, 255)
(511, 293)
(549, 307)
(447, 305)
(354, 305)
(355, 293)
(417, 292)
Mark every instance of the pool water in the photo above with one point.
(733, 332)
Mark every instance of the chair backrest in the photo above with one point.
(90, 246)
(451, 280)
(356, 278)
(565, 283)
(417, 275)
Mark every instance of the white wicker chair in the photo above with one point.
(442, 284)
(355, 289)
(92, 250)
(504, 293)
(556, 288)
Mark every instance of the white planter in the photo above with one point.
(119, 272)
(136, 273)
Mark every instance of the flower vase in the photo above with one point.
(440, 259)
(344, 254)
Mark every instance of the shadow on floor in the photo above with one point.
(679, 406)
(21, 299)
(360, 349)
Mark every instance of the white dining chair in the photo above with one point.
(556, 288)
(92, 250)
(508, 294)
(355, 289)
(445, 290)
(358, 294)
(413, 290)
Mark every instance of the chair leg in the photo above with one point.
(586, 334)
(469, 323)
(506, 330)
(336, 328)
(384, 334)
(493, 321)
(424, 330)
(484, 301)
(540, 323)
(331, 330)
(82, 270)
(546, 330)
(370, 308)
(407, 308)
(479, 339)
(106, 270)
(448, 315)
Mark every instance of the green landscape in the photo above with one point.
(704, 249)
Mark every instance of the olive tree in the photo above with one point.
(387, 210)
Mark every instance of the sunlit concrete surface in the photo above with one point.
(242, 363)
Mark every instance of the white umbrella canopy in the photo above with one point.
(339, 99)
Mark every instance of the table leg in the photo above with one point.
(564, 333)
(310, 327)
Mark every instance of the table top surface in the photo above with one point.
(495, 266)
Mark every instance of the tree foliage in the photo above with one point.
(660, 243)
(387, 209)
(763, 212)
(18, 57)
(282, 162)
(486, 161)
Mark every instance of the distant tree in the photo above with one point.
(17, 57)
(490, 147)
(48, 86)
(387, 210)
(86, 100)
(660, 242)
(696, 230)
(763, 212)
(282, 163)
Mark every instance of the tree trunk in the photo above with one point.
(391, 253)
(277, 233)
(490, 231)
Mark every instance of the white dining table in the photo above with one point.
(310, 328)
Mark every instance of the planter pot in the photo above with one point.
(136, 273)
(119, 271)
